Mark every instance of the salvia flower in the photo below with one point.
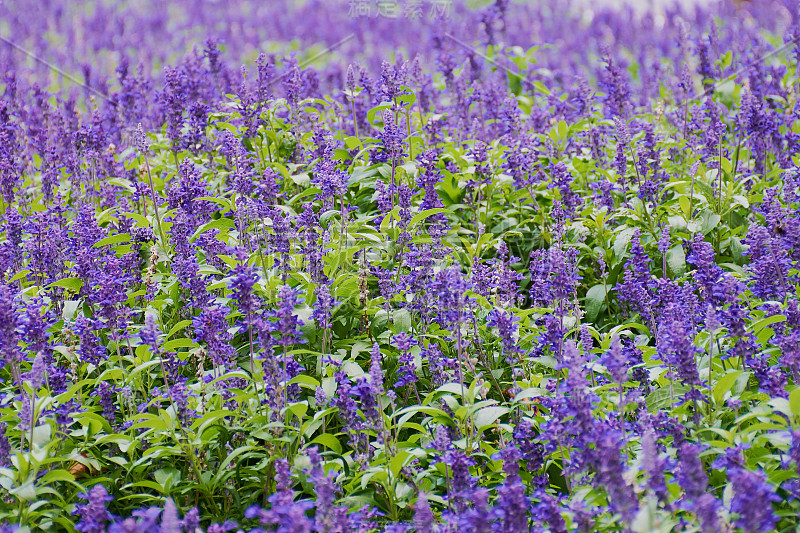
(507, 327)
(407, 371)
(751, 500)
(93, 514)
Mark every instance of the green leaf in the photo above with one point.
(622, 241)
(489, 415)
(96, 421)
(303, 379)
(419, 217)
(123, 441)
(57, 475)
(390, 218)
(302, 179)
(222, 202)
(663, 398)
(22, 274)
(724, 384)
(329, 441)
(378, 108)
(676, 260)
(26, 491)
(399, 461)
(451, 388)
(401, 319)
(179, 326)
(709, 222)
(532, 392)
(146, 484)
(764, 322)
(73, 284)
(794, 402)
(151, 421)
(542, 88)
(223, 470)
(298, 409)
(141, 221)
(428, 410)
(144, 366)
(685, 204)
(122, 182)
(167, 477)
(219, 224)
(563, 130)
(362, 173)
(179, 343)
(352, 142)
(738, 199)
(726, 59)
(113, 239)
(595, 298)
(409, 98)
(213, 416)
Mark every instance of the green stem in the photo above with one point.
(155, 203)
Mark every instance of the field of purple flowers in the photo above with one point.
(424, 266)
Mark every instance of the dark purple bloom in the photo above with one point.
(91, 348)
(406, 374)
(423, 516)
(9, 338)
(5, 446)
(106, 393)
(392, 143)
(329, 518)
(211, 329)
(513, 506)
(324, 306)
(676, 348)
(173, 101)
(694, 481)
(506, 324)
(769, 266)
(548, 513)
(180, 395)
(751, 500)
(616, 85)
(616, 363)
(634, 291)
(242, 284)
(284, 513)
(478, 518)
(287, 323)
(606, 462)
(655, 467)
(93, 513)
(170, 523)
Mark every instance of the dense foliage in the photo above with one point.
(541, 276)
